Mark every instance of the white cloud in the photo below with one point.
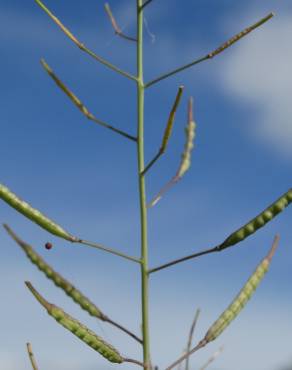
(258, 73)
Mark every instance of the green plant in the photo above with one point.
(13, 200)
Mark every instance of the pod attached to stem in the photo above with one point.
(33, 214)
(185, 157)
(79, 330)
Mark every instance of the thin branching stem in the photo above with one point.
(185, 162)
(147, 2)
(175, 71)
(122, 328)
(179, 260)
(151, 163)
(167, 131)
(31, 356)
(212, 358)
(77, 102)
(81, 45)
(191, 335)
(115, 25)
(110, 127)
(200, 345)
(134, 361)
(109, 250)
(212, 54)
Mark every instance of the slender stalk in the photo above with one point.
(177, 70)
(81, 45)
(191, 334)
(122, 328)
(147, 2)
(109, 250)
(31, 356)
(134, 361)
(212, 358)
(115, 25)
(77, 102)
(142, 190)
(215, 52)
(167, 131)
(179, 260)
(186, 355)
(151, 163)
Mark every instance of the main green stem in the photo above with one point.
(142, 191)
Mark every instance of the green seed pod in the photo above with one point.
(239, 36)
(170, 121)
(259, 221)
(79, 330)
(189, 145)
(65, 89)
(33, 214)
(241, 299)
(185, 158)
(58, 280)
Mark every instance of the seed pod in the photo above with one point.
(239, 36)
(259, 221)
(65, 89)
(59, 24)
(79, 330)
(189, 145)
(241, 299)
(170, 121)
(58, 280)
(33, 214)
(185, 158)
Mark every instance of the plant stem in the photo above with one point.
(31, 356)
(142, 191)
(125, 330)
(200, 345)
(109, 250)
(175, 71)
(114, 23)
(179, 260)
(147, 2)
(81, 45)
(215, 52)
(190, 339)
(151, 163)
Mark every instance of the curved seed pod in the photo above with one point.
(241, 299)
(259, 221)
(79, 330)
(189, 145)
(185, 158)
(65, 89)
(239, 36)
(170, 121)
(114, 23)
(33, 214)
(58, 280)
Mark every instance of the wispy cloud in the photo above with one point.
(258, 73)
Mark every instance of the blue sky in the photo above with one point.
(84, 177)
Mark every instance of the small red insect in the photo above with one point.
(48, 245)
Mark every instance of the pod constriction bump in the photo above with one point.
(33, 214)
(259, 221)
(58, 280)
(79, 330)
(241, 299)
